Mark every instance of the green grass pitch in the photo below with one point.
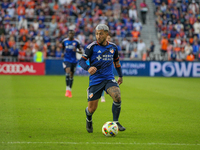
(158, 113)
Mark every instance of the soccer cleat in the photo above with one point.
(89, 126)
(67, 93)
(70, 94)
(103, 99)
(120, 127)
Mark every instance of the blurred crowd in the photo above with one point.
(178, 29)
(27, 26)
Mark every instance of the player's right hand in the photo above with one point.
(92, 70)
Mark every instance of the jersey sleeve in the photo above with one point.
(84, 58)
(116, 55)
(78, 45)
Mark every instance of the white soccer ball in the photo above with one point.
(110, 129)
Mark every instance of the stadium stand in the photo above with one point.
(27, 26)
(30, 25)
(177, 21)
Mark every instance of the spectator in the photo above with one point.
(47, 38)
(41, 25)
(135, 35)
(182, 55)
(173, 55)
(190, 57)
(41, 17)
(169, 50)
(150, 51)
(141, 48)
(164, 44)
(188, 49)
(134, 54)
(177, 43)
(196, 27)
(11, 11)
(130, 47)
(137, 25)
(3, 42)
(23, 37)
(23, 23)
(35, 24)
(52, 26)
(124, 43)
(39, 39)
(116, 9)
(194, 7)
(6, 54)
(30, 12)
(21, 11)
(2, 30)
(11, 41)
(143, 10)
(52, 51)
(34, 46)
(7, 17)
(133, 13)
(58, 52)
(29, 55)
(81, 37)
(5, 4)
(14, 52)
(38, 57)
(31, 33)
(196, 48)
(31, 4)
(178, 26)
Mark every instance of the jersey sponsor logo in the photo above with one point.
(99, 57)
(69, 46)
(99, 51)
(91, 95)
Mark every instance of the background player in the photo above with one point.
(70, 46)
(101, 55)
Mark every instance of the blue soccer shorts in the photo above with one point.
(94, 92)
(72, 66)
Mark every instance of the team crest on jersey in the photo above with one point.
(74, 43)
(99, 51)
(112, 51)
(91, 95)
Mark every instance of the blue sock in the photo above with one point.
(88, 114)
(116, 108)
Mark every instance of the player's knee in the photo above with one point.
(92, 109)
(117, 98)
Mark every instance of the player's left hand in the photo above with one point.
(119, 81)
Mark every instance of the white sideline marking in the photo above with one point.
(107, 143)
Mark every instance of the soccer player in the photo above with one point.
(70, 46)
(101, 55)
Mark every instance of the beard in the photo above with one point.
(101, 43)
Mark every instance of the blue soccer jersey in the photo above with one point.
(69, 49)
(102, 58)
